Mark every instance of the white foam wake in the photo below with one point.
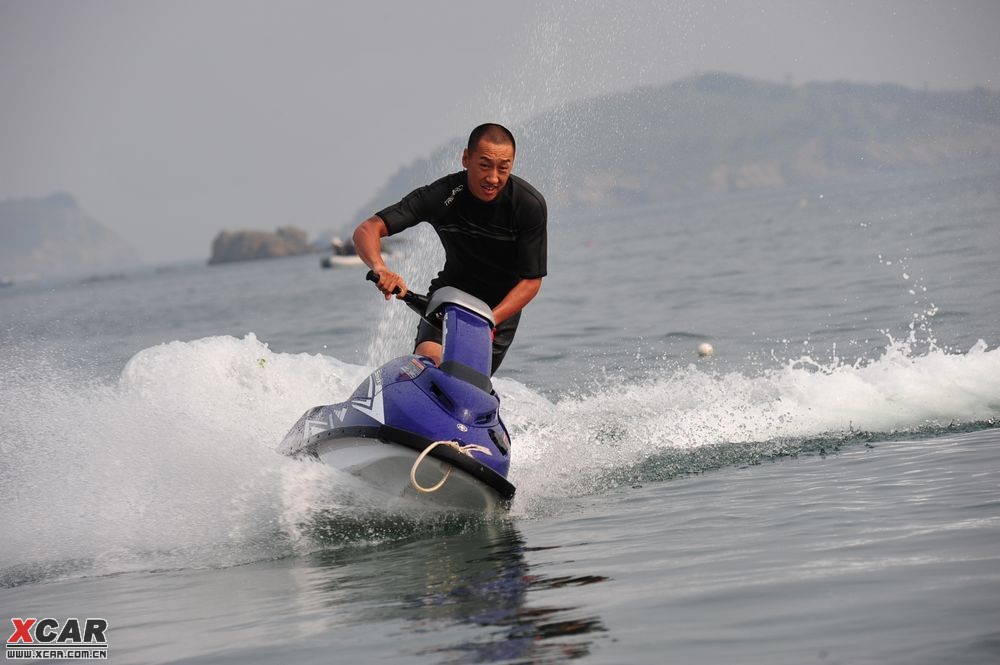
(687, 408)
(174, 465)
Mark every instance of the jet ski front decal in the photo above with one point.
(313, 425)
(371, 405)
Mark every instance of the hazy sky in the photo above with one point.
(171, 120)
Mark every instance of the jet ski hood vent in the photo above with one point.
(472, 407)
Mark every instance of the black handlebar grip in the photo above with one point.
(416, 301)
(372, 277)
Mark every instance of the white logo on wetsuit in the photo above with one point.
(448, 201)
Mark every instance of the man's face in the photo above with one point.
(489, 166)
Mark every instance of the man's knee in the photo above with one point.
(430, 349)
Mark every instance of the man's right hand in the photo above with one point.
(388, 282)
(368, 242)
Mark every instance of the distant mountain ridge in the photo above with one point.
(52, 236)
(722, 132)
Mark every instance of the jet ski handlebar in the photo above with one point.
(415, 301)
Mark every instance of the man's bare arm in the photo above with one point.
(519, 296)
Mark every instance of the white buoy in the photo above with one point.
(705, 349)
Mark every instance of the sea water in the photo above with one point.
(823, 489)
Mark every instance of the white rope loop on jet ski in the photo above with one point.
(465, 450)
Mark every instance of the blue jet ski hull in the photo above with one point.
(404, 407)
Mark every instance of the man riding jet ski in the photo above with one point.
(429, 423)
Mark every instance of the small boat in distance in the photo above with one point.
(344, 254)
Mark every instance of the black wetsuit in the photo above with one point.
(489, 246)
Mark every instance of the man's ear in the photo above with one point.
(465, 158)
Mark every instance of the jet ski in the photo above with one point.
(416, 430)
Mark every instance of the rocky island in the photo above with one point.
(230, 246)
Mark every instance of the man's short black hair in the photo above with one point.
(493, 133)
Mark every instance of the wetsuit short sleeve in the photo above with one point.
(532, 243)
(420, 205)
